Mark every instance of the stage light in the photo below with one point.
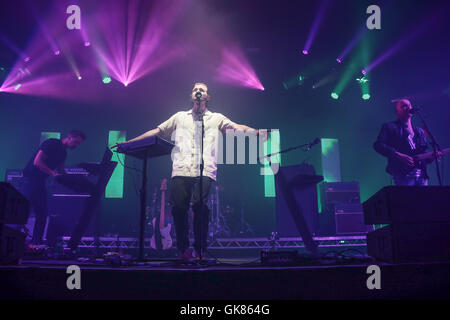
(236, 70)
(363, 71)
(18, 86)
(87, 43)
(79, 78)
(293, 82)
(57, 52)
(106, 79)
(26, 59)
(125, 84)
(366, 96)
(315, 26)
(334, 95)
(352, 44)
(362, 80)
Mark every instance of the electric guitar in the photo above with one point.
(161, 238)
(423, 157)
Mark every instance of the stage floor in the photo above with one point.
(242, 278)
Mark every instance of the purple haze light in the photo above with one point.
(135, 47)
(339, 60)
(87, 43)
(57, 52)
(363, 71)
(236, 70)
(305, 52)
(315, 27)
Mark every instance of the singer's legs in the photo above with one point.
(180, 196)
(201, 217)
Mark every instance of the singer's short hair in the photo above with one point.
(77, 134)
(207, 88)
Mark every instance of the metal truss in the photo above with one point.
(227, 243)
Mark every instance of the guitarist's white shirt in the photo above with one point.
(185, 129)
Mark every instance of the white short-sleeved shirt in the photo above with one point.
(184, 129)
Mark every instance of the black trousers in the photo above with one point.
(36, 192)
(181, 193)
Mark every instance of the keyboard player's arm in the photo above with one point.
(147, 134)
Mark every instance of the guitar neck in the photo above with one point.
(430, 155)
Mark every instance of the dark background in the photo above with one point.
(272, 35)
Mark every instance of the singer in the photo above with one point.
(400, 141)
(185, 128)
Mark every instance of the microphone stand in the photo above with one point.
(201, 181)
(308, 147)
(435, 145)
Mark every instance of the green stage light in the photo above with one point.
(366, 96)
(334, 95)
(114, 189)
(106, 79)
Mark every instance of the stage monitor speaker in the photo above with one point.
(399, 204)
(12, 244)
(410, 242)
(14, 207)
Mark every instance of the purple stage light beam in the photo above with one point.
(134, 49)
(315, 27)
(351, 45)
(422, 28)
(236, 70)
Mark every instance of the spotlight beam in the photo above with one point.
(315, 27)
(351, 44)
(236, 70)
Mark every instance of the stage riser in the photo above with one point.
(344, 282)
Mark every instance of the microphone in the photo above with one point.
(316, 141)
(198, 95)
(414, 110)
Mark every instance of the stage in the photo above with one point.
(334, 276)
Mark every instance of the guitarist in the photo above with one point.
(400, 141)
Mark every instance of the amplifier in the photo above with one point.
(397, 204)
(349, 219)
(410, 242)
(340, 192)
(15, 177)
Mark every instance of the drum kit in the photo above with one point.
(224, 221)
